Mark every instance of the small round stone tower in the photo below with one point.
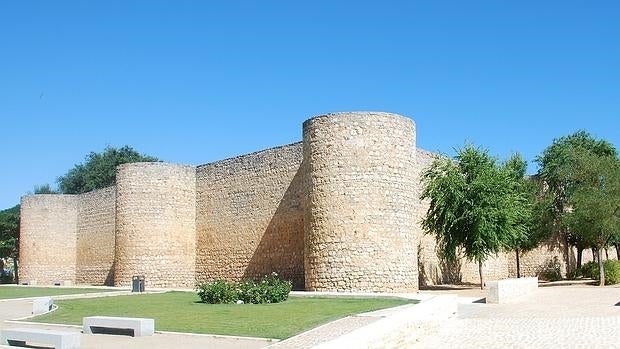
(155, 224)
(359, 219)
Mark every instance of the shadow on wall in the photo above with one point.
(281, 248)
(446, 273)
(554, 268)
(551, 270)
(109, 280)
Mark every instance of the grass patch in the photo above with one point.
(9, 292)
(182, 312)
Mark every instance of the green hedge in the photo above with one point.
(612, 271)
(270, 289)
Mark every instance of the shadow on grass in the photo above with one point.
(464, 286)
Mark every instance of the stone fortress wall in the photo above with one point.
(339, 211)
(249, 216)
(155, 224)
(358, 226)
(48, 238)
(96, 237)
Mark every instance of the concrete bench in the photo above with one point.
(22, 336)
(42, 305)
(502, 291)
(106, 324)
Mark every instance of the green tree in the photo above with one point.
(473, 208)
(99, 170)
(615, 241)
(530, 219)
(9, 236)
(557, 171)
(44, 189)
(594, 206)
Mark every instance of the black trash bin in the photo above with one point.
(137, 284)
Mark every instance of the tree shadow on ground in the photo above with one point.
(455, 287)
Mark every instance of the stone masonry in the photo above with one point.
(339, 211)
(359, 231)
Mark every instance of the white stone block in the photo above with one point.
(42, 305)
(502, 291)
(140, 326)
(22, 336)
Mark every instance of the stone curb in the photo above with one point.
(77, 296)
(30, 323)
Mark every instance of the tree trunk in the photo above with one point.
(606, 254)
(594, 254)
(481, 275)
(601, 268)
(1, 265)
(579, 255)
(15, 273)
(518, 264)
(566, 253)
(618, 251)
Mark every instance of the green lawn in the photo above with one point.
(7, 292)
(182, 312)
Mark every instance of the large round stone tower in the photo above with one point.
(155, 224)
(359, 219)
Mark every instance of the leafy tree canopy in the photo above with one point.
(594, 212)
(594, 206)
(9, 232)
(44, 189)
(474, 206)
(531, 221)
(557, 162)
(99, 170)
(560, 175)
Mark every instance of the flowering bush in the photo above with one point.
(216, 292)
(270, 289)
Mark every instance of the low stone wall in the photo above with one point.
(502, 291)
(400, 330)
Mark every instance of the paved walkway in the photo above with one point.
(552, 317)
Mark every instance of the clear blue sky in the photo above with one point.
(193, 82)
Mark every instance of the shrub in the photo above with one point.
(6, 279)
(589, 270)
(551, 271)
(270, 289)
(276, 289)
(218, 291)
(250, 292)
(612, 271)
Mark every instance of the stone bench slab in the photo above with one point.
(42, 305)
(22, 336)
(140, 326)
(502, 291)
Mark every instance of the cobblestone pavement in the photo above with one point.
(553, 317)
